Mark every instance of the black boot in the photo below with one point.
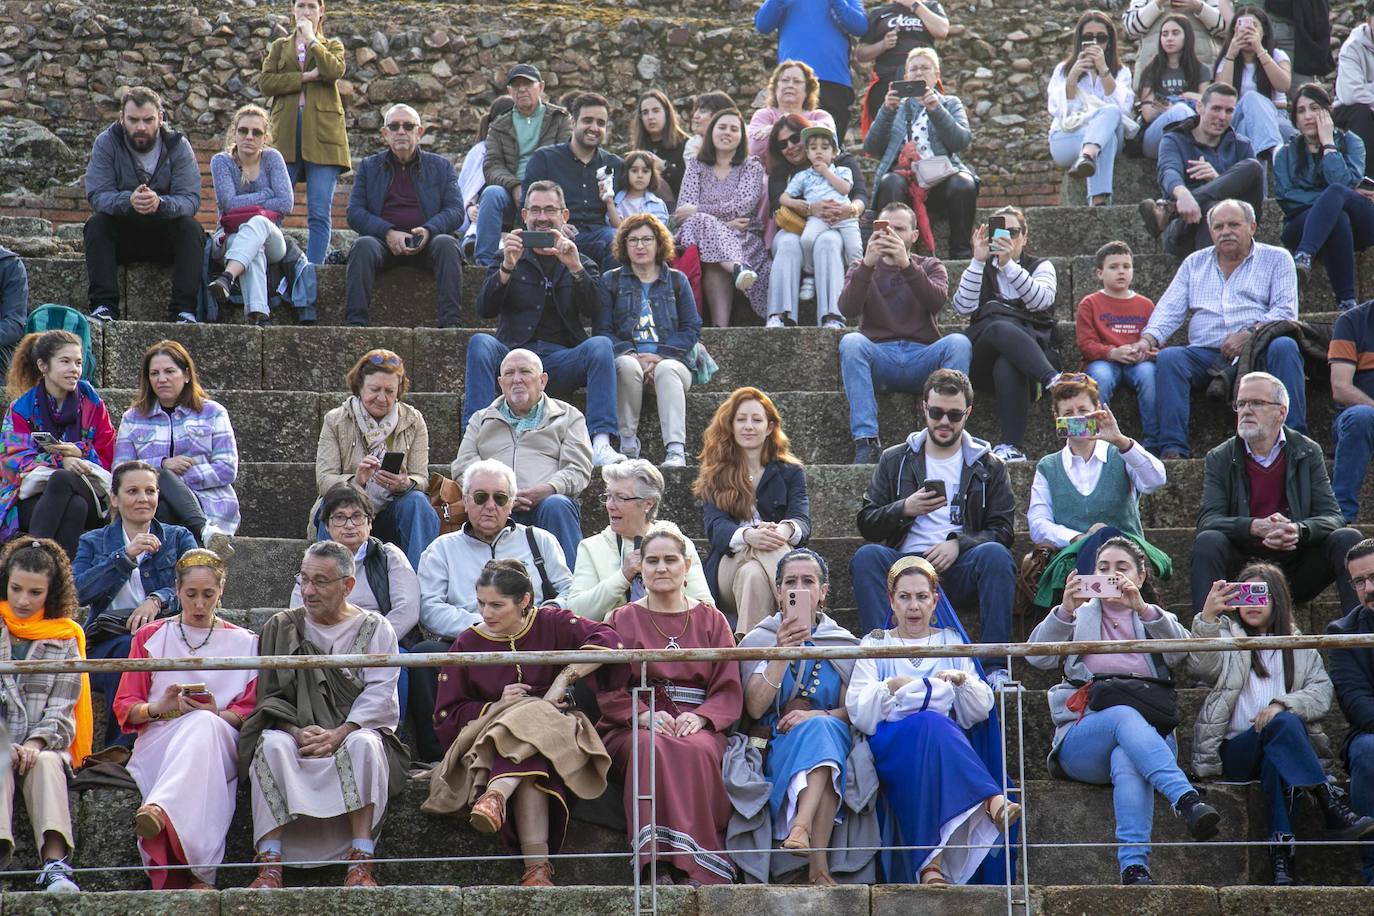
(1341, 822)
(1136, 875)
(867, 451)
(1281, 860)
(1203, 819)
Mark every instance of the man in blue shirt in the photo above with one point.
(586, 173)
(816, 32)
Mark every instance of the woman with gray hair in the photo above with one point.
(607, 572)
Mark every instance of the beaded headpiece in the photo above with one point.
(201, 557)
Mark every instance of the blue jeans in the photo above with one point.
(494, 206)
(1141, 377)
(1353, 432)
(1281, 756)
(1361, 763)
(590, 365)
(408, 521)
(595, 243)
(319, 199)
(561, 517)
(985, 575)
(1154, 131)
(1259, 119)
(1103, 129)
(1180, 368)
(1339, 223)
(1117, 747)
(893, 365)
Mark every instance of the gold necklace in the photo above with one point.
(672, 640)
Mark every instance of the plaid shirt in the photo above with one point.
(1263, 288)
(41, 706)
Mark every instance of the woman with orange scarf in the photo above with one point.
(48, 715)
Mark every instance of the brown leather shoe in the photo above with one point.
(488, 812)
(269, 871)
(199, 885)
(1155, 215)
(149, 821)
(540, 874)
(360, 872)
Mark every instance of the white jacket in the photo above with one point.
(1355, 69)
(450, 565)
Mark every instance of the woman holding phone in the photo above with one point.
(1090, 96)
(1145, 20)
(1262, 718)
(1170, 83)
(185, 758)
(1326, 199)
(58, 441)
(798, 711)
(916, 711)
(380, 445)
(1261, 73)
(1116, 745)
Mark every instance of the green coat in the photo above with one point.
(324, 138)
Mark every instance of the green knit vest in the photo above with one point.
(1113, 502)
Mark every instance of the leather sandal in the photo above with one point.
(824, 879)
(149, 821)
(799, 837)
(934, 876)
(1004, 813)
(269, 871)
(359, 869)
(540, 874)
(199, 885)
(488, 812)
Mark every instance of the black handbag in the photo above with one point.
(1154, 698)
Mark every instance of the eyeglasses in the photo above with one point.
(543, 211)
(383, 358)
(612, 498)
(641, 242)
(250, 131)
(1101, 38)
(938, 413)
(1360, 582)
(1013, 231)
(356, 520)
(397, 127)
(481, 497)
(791, 140)
(1252, 404)
(303, 580)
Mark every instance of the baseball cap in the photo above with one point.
(523, 71)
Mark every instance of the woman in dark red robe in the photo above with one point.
(696, 703)
(508, 730)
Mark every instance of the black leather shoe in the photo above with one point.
(867, 451)
(1203, 819)
(1281, 860)
(1085, 167)
(1341, 822)
(1136, 875)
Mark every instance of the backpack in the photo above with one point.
(50, 317)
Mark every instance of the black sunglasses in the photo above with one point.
(481, 497)
(939, 413)
(1101, 38)
(792, 140)
(397, 126)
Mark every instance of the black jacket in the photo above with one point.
(1352, 674)
(985, 496)
(780, 496)
(520, 302)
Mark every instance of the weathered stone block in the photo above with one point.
(1281, 901)
(572, 901)
(904, 899)
(337, 901)
(316, 359)
(772, 900)
(226, 356)
(129, 903)
(1128, 901)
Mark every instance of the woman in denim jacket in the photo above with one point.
(655, 327)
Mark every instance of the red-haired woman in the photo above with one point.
(753, 493)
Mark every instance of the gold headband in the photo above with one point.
(909, 563)
(201, 557)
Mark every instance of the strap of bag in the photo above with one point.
(547, 590)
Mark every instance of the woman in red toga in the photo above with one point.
(695, 704)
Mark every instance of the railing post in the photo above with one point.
(646, 692)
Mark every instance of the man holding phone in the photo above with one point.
(405, 207)
(942, 494)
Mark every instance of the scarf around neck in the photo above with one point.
(375, 432)
(63, 421)
(40, 627)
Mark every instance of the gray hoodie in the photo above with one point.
(112, 175)
(1355, 69)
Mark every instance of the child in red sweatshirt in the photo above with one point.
(1108, 322)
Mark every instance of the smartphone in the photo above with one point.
(393, 461)
(197, 692)
(800, 604)
(1366, 184)
(1099, 586)
(1248, 594)
(1075, 427)
(413, 241)
(997, 226)
(935, 486)
(880, 225)
(533, 239)
(43, 439)
(907, 89)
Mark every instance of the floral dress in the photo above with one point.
(719, 200)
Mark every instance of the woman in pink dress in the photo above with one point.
(185, 760)
(718, 211)
(695, 704)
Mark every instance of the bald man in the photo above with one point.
(405, 208)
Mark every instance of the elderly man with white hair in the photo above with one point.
(544, 439)
(1225, 292)
(405, 207)
(1266, 496)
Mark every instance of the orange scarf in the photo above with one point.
(39, 627)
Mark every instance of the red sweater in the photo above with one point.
(1268, 491)
(1105, 322)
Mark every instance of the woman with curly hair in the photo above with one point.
(753, 493)
(792, 89)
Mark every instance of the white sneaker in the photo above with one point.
(775, 321)
(744, 278)
(834, 322)
(629, 446)
(56, 876)
(808, 289)
(603, 455)
(676, 458)
(1009, 454)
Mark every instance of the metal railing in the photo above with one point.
(646, 898)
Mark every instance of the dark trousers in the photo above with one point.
(1309, 569)
(115, 240)
(1339, 223)
(1242, 181)
(107, 684)
(1281, 756)
(1007, 359)
(837, 99)
(424, 688)
(177, 504)
(442, 256)
(955, 198)
(63, 511)
(1359, 120)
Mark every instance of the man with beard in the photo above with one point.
(941, 494)
(1352, 676)
(143, 185)
(1265, 495)
(1225, 292)
(405, 207)
(539, 297)
(586, 173)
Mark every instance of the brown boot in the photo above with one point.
(269, 871)
(488, 813)
(540, 874)
(360, 869)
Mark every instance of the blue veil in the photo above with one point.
(985, 737)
